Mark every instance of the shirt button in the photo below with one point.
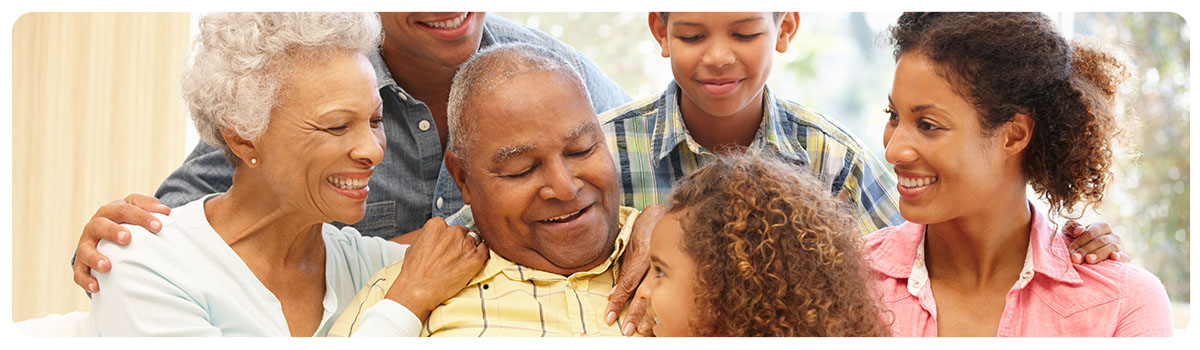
(423, 125)
(439, 203)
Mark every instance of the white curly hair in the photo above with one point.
(239, 60)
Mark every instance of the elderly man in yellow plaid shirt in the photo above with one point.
(543, 192)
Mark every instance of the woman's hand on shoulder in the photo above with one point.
(437, 266)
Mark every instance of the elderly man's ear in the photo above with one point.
(458, 172)
(243, 148)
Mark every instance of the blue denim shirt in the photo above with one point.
(411, 185)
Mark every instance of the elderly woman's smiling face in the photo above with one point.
(324, 138)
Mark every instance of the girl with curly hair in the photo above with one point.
(754, 246)
(982, 105)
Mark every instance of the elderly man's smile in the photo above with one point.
(567, 218)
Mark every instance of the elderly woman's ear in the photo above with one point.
(243, 148)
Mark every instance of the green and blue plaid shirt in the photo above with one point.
(652, 150)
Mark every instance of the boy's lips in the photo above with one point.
(720, 86)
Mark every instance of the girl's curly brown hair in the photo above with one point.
(1006, 63)
(776, 254)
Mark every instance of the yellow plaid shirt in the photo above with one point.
(507, 299)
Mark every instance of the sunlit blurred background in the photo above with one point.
(838, 64)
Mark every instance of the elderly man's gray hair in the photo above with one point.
(487, 70)
(239, 60)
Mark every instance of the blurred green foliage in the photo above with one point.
(1148, 202)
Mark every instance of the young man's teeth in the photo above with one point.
(916, 182)
(448, 24)
(347, 183)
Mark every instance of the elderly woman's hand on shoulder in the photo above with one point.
(436, 267)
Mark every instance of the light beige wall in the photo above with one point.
(96, 115)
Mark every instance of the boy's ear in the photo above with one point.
(787, 30)
(243, 148)
(458, 172)
(658, 28)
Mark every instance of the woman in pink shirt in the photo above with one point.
(982, 105)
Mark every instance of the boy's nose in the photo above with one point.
(718, 55)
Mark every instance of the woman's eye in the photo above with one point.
(376, 122)
(893, 117)
(337, 129)
(924, 125)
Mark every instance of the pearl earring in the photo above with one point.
(253, 161)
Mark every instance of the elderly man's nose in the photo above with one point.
(561, 183)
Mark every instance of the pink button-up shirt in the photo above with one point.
(1052, 297)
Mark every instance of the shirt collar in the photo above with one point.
(670, 131)
(901, 255)
(499, 265)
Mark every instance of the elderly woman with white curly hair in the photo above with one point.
(291, 99)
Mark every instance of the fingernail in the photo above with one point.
(155, 225)
(102, 264)
(612, 316)
(92, 287)
(628, 329)
(1091, 257)
(1076, 257)
(122, 236)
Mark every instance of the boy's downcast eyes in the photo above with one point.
(746, 36)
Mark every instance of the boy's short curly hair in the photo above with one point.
(776, 254)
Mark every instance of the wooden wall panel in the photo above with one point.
(96, 115)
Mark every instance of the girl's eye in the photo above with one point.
(690, 39)
(658, 272)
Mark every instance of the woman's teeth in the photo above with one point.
(346, 183)
(916, 181)
(448, 24)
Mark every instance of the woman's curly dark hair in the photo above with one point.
(776, 254)
(1006, 63)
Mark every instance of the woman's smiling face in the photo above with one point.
(325, 137)
(945, 164)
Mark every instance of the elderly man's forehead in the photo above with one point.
(508, 151)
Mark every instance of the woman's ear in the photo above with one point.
(658, 28)
(788, 25)
(1017, 133)
(243, 148)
